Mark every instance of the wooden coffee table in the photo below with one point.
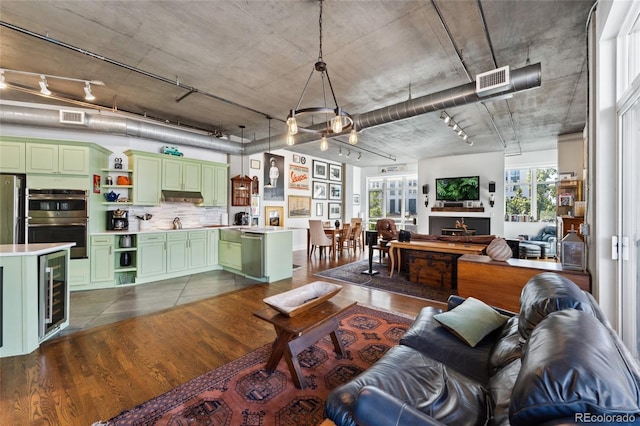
(295, 334)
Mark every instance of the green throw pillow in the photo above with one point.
(471, 321)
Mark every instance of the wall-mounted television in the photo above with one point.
(458, 188)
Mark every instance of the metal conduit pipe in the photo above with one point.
(521, 79)
(116, 126)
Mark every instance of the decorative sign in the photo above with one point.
(298, 177)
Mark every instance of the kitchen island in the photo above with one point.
(22, 323)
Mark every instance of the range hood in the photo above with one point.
(182, 196)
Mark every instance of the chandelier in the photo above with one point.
(336, 120)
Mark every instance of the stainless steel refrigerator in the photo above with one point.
(12, 209)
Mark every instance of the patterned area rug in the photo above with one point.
(243, 393)
(352, 273)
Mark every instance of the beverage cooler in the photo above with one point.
(52, 292)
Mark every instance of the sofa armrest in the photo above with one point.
(376, 407)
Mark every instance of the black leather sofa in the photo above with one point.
(557, 361)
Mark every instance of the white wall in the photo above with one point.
(489, 166)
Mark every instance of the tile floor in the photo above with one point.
(92, 308)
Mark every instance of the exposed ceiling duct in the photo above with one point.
(520, 79)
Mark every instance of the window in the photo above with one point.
(530, 194)
(393, 197)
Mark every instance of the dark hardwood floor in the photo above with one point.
(95, 374)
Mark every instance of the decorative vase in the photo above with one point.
(337, 224)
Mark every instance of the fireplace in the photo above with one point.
(481, 225)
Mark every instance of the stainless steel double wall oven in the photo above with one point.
(58, 215)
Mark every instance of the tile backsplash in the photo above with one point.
(190, 215)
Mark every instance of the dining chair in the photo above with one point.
(317, 237)
(344, 239)
(356, 236)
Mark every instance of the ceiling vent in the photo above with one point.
(72, 117)
(493, 81)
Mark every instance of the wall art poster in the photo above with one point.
(96, 184)
(273, 177)
(335, 191)
(298, 177)
(319, 190)
(320, 170)
(335, 172)
(335, 210)
(274, 216)
(299, 206)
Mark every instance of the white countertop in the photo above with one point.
(32, 249)
(252, 229)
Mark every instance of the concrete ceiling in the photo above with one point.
(251, 59)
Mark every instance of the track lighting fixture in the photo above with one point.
(44, 87)
(455, 127)
(348, 153)
(340, 151)
(43, 82)
(359, 156)
(87, 92)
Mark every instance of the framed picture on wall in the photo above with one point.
(335, 172)
(335, 191)
(335, 210)
(299, 206)
(274, 178)
(319, 209)
(319, 190)
(320, 170)
(298, 177)
(274, 216)
(356, 199)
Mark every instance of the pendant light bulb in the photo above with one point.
(353, 137)
(290, 139)
(324, 143)
(87, 92)
(336, 124)
(292, 124)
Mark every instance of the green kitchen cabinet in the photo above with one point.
(146, 179)
(230, 254)
(181, 175)
(197, 249)
(177, 254)
(152, 254)
(102, 258)
(212, 252)
(214, 184)
(186, 250)
(12, 157)
(53, 158)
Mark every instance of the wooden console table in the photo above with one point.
(500, 283)
(438, 263)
